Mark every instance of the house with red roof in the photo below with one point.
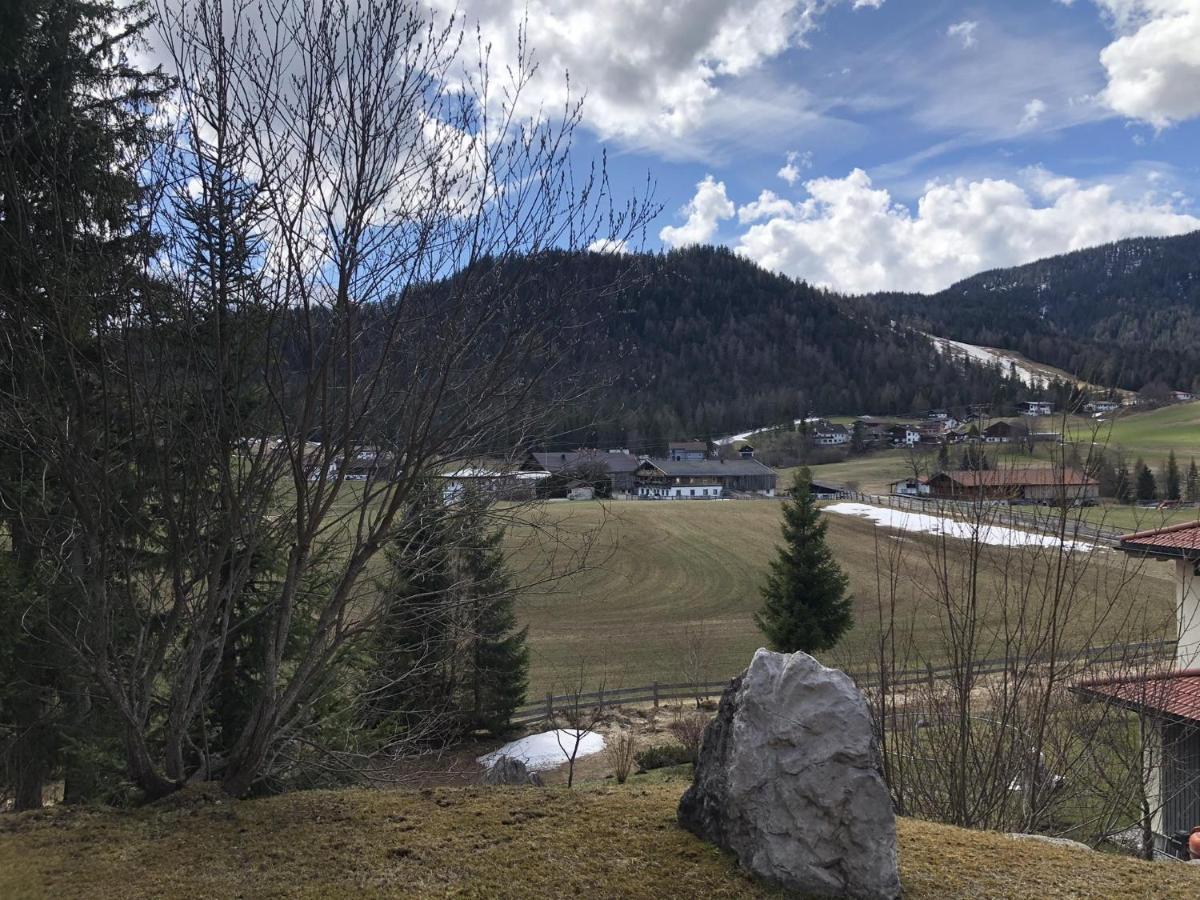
(1168, 700)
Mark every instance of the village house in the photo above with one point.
(1101, 406)
(827, 490)
(681, 450)
(1035, 408)
(709, 479)
(904, 436)
(1047, 484)
(1167, 700)
(826, 434)
(910, 487)
(496, 482)
(588, 465)
(1003, 432)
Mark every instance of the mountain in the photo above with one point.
(704, 342)
(1125, 314)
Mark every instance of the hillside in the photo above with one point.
(491, 842)
(704, 342)
(1125, 314)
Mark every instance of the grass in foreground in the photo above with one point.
(477, 842)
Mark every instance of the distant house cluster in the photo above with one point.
(689, 471)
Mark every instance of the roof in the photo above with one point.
(573, 459)
(1175, 694)
(828, 428)
(688, 445)
(713, 467)
(1043, 477)
(1176, 540)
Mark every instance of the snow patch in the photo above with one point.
(988, 356)
(993, 535)
(541, 751)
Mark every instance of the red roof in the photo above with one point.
(1169, 693)
(1177, 540)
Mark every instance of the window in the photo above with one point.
(693, 492)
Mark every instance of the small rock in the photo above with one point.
(509, 770)
(788, 779)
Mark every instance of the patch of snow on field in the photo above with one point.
(994, 535)
(542, 751)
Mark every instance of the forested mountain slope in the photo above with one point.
(704, 342)
(1125, 314)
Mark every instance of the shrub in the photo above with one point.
(619, 750)
(662, 755)
(688, 729)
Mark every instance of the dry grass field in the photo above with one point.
(596, 842)
(660, 572)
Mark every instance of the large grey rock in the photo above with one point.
(788, 779)
(510, 770)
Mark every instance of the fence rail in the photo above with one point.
(661, 692)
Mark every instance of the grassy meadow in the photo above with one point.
(658, 574)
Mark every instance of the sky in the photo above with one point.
(881, 144)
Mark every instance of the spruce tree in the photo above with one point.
(1174, 486)
(1192, 489)
(496, 668)
(1147, 486)
(1123, 486)
(805, 604)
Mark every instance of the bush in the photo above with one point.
(688, 729)
(619, 749)
(662, 755)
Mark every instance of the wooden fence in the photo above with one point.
(545, 709)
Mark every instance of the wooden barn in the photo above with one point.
(1039, 484)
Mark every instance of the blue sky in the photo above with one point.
(885, 143)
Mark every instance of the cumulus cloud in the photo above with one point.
(768, 205)
(1153, 66)
(851, 235)
(708, 207)
(965, 32)
(795, 164)
(1033, 112)
(650, 71)
(609, 245)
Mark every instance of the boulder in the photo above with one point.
(510, 770)
(788, 779)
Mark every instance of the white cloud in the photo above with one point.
(650, 71)
(850, 235)
(709, 206)
(768, 205)
(609, 245)
(1033, 112)
(965, 32)
(1153, 66)
(795, 164)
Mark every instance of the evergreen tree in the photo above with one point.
(1123, 483)
(1174, 485)
(74, 125)
(497, 663)
(1146, 486)
(1192, 488)
(805, 605)
(943, 457)
(407, 696)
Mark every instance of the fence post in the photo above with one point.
(656, 695)
(929, 673)
(549, 706)
(600, 693)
